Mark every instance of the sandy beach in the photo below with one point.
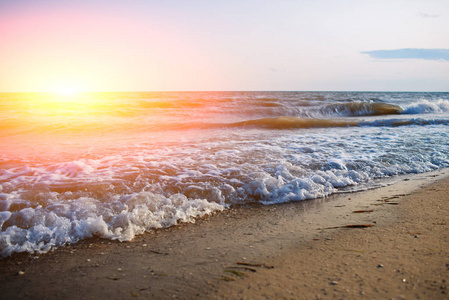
(291, 251)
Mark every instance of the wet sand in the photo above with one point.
(288, 251)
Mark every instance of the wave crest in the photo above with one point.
(427, 107)
(361, 109)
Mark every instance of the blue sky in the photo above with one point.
(224, 45)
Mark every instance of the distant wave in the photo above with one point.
(360, 109)
(293, 122)
(404, 122)
(285, 122)
(426, 107)
(268, 104)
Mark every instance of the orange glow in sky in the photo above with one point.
(57, 48)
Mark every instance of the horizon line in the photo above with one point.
(231, 91)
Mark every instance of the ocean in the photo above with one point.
(116, 165)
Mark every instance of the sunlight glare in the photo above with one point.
(67, 89)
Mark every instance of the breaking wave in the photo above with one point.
(360, 109)
(427, 107)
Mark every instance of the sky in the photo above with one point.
(233, 45)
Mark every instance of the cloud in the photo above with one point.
(424, 15)
(410, 53)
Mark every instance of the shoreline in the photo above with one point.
(200, 260)
(405, 256)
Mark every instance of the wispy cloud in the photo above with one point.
(424, 15)
(410, 53)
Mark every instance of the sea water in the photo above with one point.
(115, 165)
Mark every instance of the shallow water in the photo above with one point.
(116, 165)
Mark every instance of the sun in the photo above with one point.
(67, 88)
(65, 95)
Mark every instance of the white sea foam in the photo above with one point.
(39, 229)
(427, 107)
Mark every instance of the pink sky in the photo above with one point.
(214, 45)
(49, 48)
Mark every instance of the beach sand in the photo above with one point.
(285, 251)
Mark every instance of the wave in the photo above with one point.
(268, 104)
(40, 229)
(285, 122)
(427, 107)
(360, 109)
(404, 122)
(380, 109)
